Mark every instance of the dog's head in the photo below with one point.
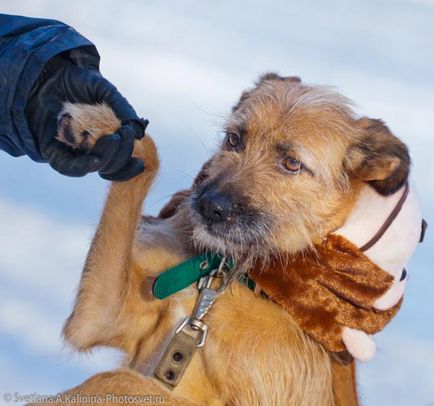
(289, 169)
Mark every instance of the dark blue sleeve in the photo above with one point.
(26, 45)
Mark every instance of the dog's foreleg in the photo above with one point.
(105, 277)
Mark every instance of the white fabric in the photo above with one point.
(391, 253)
(359, 344)
(394, 249)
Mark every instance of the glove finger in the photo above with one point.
(67, 162)
(100, 90)
(124, 151)
(139, 126)
(108, 93)
(107, 149)
(134, 167)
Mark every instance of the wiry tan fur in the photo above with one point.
(114, 307)
(255, 354)
(323, 133)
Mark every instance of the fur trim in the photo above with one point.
(335, 287)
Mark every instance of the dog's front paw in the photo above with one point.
(81, 125)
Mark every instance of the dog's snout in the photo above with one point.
(215, 206)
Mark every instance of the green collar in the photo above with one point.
(184, 274)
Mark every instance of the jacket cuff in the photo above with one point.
(27, 58)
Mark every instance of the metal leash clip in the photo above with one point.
(183, 345)
(207, 297)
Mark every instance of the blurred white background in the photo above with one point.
(183, 64)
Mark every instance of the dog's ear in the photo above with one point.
(244, 96)
(179, 198)
(274, 76)
(379, 158)
(266, 77)
(170, 208)
(203, 173)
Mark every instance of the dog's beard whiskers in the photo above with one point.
(255, 251)
(248, 241)
(245, 243)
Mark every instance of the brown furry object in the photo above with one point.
(333, 286)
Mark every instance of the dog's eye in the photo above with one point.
(233, 140)
(291, 164)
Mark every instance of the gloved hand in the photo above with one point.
(62, 81)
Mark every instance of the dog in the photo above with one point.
(294, 160)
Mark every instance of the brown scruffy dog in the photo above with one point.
(292, 164)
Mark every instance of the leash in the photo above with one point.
(184, 274)
(191, 333)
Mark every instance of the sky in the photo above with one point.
(183, 64)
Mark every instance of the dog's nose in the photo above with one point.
(215, 206)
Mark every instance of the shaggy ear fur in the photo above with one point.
(266, 77)
(174, 203)
(244, 96)
(274, 76)
(179, 198)
(379, 158)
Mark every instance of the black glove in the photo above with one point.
(62, 81)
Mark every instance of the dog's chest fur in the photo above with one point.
(253, 349)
